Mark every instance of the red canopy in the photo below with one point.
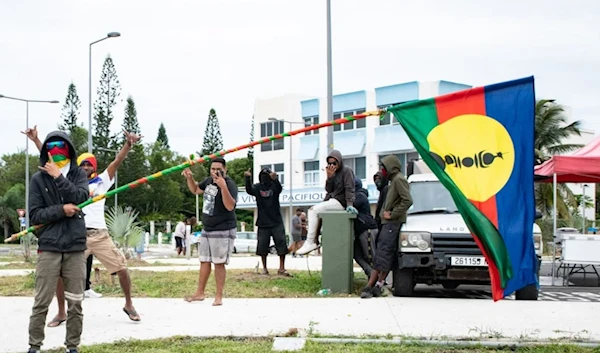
(582, 166)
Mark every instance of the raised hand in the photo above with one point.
(187, 173)
(248, 173)
(50, 167)
(132, 138)
(32, 134)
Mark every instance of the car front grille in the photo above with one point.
(462, 244)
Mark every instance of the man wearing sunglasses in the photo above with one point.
(54, 193)
(340, 196)
(99, 242)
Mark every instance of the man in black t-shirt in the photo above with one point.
(269, 221)
(219, 225)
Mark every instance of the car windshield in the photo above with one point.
(430, 197)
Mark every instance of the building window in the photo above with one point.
(358, 165)
(311, 173)
(310, 121)
(358, 124)
(277, 168)
(269, 129)
(388, 118)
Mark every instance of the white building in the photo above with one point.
(301, 159)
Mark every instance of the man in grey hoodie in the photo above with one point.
(339, 197)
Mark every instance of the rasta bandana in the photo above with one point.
(59, 152)
(91, 159)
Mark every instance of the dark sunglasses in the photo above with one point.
(332, 163)
(59, 144)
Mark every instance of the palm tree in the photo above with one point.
(551, 130)
(124, 229)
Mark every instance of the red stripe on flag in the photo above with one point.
(460, 103)
(473, 102)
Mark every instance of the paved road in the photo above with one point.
(416, 317)
(547, 293)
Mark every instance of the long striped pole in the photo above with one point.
(206, 158)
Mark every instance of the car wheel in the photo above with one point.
(404, 282)
(273, 250)
(530, 292)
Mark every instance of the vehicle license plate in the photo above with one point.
(469, 261)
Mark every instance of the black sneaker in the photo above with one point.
(72, 351)
(31, 350)
(376, 291)
(367, 293)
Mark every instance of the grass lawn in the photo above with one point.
(240, 284)
(17, 263)
(245, 345)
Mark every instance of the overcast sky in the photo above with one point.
(180, 58)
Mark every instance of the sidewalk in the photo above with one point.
(104, 320)
(312, 263)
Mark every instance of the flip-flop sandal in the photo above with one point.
(133, 315)
(56, 322)
(284, 274)
(265, 273)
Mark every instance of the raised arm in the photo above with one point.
(32, 134)
(130, 139)
(248, 181)
(191, 183)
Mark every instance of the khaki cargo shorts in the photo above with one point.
(100, 244)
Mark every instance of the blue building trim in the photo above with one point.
(399, 93)
(451, 87)
(310, 107)
(349, 101)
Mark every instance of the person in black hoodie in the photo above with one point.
(54, 193)
(365, 230)
(269, 221)
(382, 183)
(339, 197)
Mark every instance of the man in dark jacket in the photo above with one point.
(339, 197)
(54, 193)
(269, 221)
(381, 183)
(365, 230)
(393, 216)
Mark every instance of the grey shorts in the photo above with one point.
(216, 246)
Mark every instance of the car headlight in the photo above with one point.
(415, 241)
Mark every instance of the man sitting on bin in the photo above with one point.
(339, 197)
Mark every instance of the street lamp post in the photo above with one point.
(329, 81)
(290, 168)
(109, 35)
(27, 101)
(583, 207)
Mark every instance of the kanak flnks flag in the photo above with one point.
(480, 144)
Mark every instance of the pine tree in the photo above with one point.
(213, 141)
(130, 120)
(70, 114)
(134, 166)
(162, 136)
(108, 92)
(251, 149)
(70, 110)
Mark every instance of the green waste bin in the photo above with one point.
(338, 251)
